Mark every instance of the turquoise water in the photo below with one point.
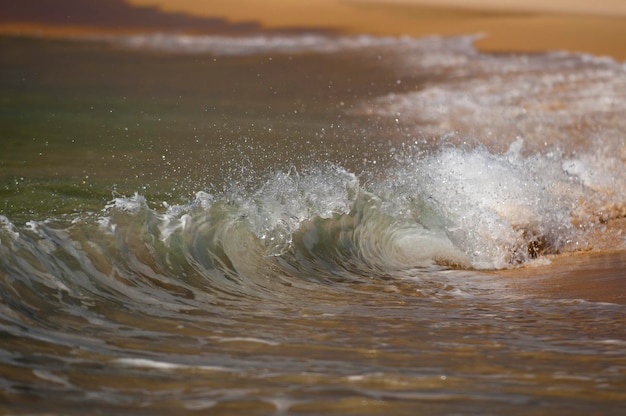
(308, 224)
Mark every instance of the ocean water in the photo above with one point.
(310, 225)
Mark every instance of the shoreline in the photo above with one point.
(517, 26)
(501, 31)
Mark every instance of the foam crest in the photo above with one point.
(279, 206)
(499, 209)
(457, 206)
(8, 229)
(129, 204)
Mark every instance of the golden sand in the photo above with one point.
(597, 27)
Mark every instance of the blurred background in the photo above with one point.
(597, 27)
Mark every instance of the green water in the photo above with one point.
(80, 122)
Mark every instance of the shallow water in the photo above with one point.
(305, 225)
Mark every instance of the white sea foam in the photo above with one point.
(493, 207)
(277, 209)
(248, 340)
(52, 378)
(129, 204)
(249, 45)
(550, 105)
(164, 365)
(8, 228)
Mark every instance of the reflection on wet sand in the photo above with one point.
(592, 277)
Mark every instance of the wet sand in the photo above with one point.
(591, 277)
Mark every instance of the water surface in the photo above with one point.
(309, 224)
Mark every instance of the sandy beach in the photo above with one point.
(598, 28)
